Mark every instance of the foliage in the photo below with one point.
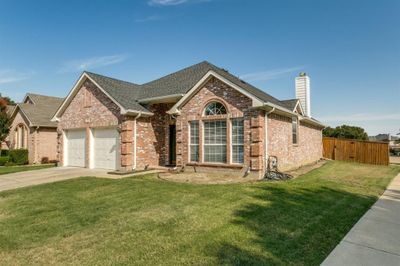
(4, 120)
(346, 132)
(4, 160)
(4, 152)
(19, 156)
(147, 221)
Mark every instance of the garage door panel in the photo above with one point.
(76, 147)
(105, 148)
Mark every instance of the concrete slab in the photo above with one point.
(49, 175)
(375, 238)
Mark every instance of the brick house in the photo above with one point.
(31, 127)
(200, 116)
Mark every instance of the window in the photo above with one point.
(194, 141)
(20, 137)
(295, 133)
(215, 108)
(215, 141)
(237, 141)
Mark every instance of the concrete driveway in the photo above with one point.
(48, 175)
(375, 238)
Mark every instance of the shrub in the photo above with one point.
(4, 160)
(45, 160)
(19, 156)
(4, 152)
(10, 164)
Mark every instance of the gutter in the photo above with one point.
(135, 139)
(266, 137)
(161, 98)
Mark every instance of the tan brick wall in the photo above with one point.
(46, 144)
(100, 112)
(308, 149)
(238, 105)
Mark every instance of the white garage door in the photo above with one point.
(75, 142)
(105, 147)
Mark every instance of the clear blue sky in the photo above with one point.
(350, 49)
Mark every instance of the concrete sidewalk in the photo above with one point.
(375, 238)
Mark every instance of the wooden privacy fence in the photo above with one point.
(359, 151)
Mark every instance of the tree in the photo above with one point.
(4, 120)
(345, 132)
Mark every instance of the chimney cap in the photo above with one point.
(302, 74)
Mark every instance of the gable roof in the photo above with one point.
(182, 81)
(131, 97)
(290, 104)
(125, 93)
(41, 111)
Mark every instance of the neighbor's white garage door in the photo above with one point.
(105, 147)
(75, 147)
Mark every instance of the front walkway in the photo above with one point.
(375, 238)
(49, 175)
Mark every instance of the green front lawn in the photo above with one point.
(145, 221)
(14, 169)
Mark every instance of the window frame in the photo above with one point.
(232, 144)
(214, 102)
(190, 141)
(204, 144)
(295, 131)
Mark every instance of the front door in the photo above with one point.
(172, 144)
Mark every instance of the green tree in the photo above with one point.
(345, 132)
(4, 120)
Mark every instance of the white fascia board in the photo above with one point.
(312, 122)
(68, 99)
(26, 97)
(17, 107)
(135, 113)
(162, 98)
(75, 90)
(299, 105)
(175, 109)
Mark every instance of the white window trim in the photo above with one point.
(190, 141)
(203, 143)
(231, 134)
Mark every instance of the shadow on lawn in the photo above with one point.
(293, 225)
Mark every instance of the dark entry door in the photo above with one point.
(172, 144)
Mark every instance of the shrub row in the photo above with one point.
(14, 157)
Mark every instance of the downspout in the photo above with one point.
(266, 138)
(135, 139)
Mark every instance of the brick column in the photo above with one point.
(256, 147)
(127, 143)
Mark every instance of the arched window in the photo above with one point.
(215, 108)
(21, 137)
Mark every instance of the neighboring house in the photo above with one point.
(32, 128)
(386, 138)
(200, 116)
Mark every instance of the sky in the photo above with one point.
(350, 49)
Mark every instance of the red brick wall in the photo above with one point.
(152, 146)
(237, 104)
(308, 149)
(100, 112)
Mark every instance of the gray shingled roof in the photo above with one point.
(125, 93)
(43, 109)
(182, 81)
(290, 104)
(128, 94)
